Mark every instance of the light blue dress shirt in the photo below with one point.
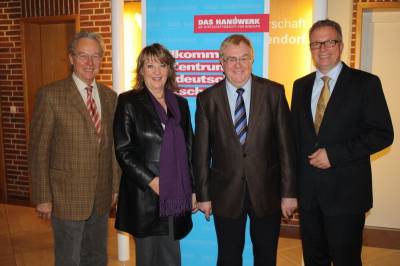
(319, 84)
(232, 96)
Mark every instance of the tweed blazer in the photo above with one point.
(68, 164)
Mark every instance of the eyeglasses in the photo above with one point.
(84, 57)
(327, 44)
(231, 60)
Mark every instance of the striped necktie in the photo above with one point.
(322, 103)
(92, 109)
(240, 117)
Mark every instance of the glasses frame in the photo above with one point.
(232, 60)
(326, 44)
(85, 57)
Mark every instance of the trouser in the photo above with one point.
(80, 243)
(327, 239)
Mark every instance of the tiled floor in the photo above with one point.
(26, 240)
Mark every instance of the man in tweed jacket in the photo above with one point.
(72, 163)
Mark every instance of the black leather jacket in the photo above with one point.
(138, 135)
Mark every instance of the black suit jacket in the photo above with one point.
(265, 163)
(356, 124)
(138, 135)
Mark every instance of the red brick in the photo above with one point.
(92, 29)
(14, 4)
(14, 16)
(87, 24)
(12, 10)
(100, 17)
(86, 12)
(4, 22)
(88, 6)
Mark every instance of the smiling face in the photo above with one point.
(86, 59)
(326, 58)
(237, 63)
(155, 74)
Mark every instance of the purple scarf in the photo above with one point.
(175, 184)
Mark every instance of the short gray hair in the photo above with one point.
(235, 39)
(86, 34)
(326, 23)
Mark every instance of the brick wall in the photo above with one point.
(95, 15)
(12, 94)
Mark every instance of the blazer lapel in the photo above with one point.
(105, 109)
(307, 101)
(223, 102)
(76, 100)
(146, 101)
(336, 99)
(78, 103)
(255, 104)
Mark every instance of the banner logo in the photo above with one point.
(231, 23)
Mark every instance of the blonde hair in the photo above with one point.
(157, 52)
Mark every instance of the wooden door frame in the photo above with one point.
(375, 236)
(361, 8)
(39, 20)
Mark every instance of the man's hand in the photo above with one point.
(319, 159)
(206, 208)
(44, 210)
(288, 206)
(155, 185)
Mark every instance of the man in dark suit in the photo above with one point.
(72, 163)
(244, 156)
(340, 118)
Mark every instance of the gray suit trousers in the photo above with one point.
(79, 243)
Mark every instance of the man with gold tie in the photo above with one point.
(340, 118)
(72, 163)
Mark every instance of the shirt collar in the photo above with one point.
(231, 87)
(333, 73)
(82, 85)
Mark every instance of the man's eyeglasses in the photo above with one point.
(231, 60)
(327, 44)
(84, 57)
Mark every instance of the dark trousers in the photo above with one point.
(264, 233)
(327, 239)
(78, 243)
(158, 250)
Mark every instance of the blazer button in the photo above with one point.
(244, 155)
(243, 178)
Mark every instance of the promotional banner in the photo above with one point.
(193, 31)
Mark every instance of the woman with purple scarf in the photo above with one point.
(153, 143)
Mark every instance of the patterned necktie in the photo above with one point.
(240, 117)
(322, 103)
(92, 109)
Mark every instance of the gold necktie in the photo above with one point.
(322, 103)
